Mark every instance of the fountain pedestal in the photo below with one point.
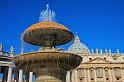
(48, 78)
(51, 75)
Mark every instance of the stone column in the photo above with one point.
(30, 76)
(95, 75)
(110, 74)
(88, 74)
(113, 75)
(20, 75)
(9, 74)
(68, 76)
(85, 75)
(122, 74)
(76, 76)
(104, 77)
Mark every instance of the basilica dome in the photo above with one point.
(77, 47)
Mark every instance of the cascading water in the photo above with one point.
(48, 63)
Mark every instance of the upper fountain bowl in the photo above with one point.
(47, 34)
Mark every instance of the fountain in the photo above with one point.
(49, 64)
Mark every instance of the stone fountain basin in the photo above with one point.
(47, 59)
(52, 32)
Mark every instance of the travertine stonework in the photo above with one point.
(96, 66)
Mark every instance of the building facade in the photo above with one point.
(6, 64)
(96, 66)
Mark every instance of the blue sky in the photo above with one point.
(99, 23)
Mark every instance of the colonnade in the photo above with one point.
(75, 78)
(20, 76)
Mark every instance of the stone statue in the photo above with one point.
(11, 50)
(96, 51)
(101, 51)
(109, 51)
(92, 51)
(1, 47)
(106, 51)
(118, 52)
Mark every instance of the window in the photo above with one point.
(117, 72)
(91, 73)
(114, 58)
(92, 79)
(104, 58)
(90, 59)
(106, 72)
(117, 78)
(99, 72)
(81, 73)
(107, 78)
(80, 79)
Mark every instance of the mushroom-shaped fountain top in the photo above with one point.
(47, 32)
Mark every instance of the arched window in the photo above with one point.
(91, 73)
(81, 73)
(106, 72)
(117, 72)
(99, 73)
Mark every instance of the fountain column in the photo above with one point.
(51, 75)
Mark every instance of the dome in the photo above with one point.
(77, 47)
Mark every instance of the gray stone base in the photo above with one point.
(48, 76)
(47, 79)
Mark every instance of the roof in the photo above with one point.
(77, 47)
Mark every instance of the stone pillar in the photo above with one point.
(95, 75)
(113, 75)
(110, 74)
(122, 74)
(85, 75)
(76, 76)
(88, 74)
(20, 75)
(9, 74)
(30, 76)
(68, 76)
(104, 77)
